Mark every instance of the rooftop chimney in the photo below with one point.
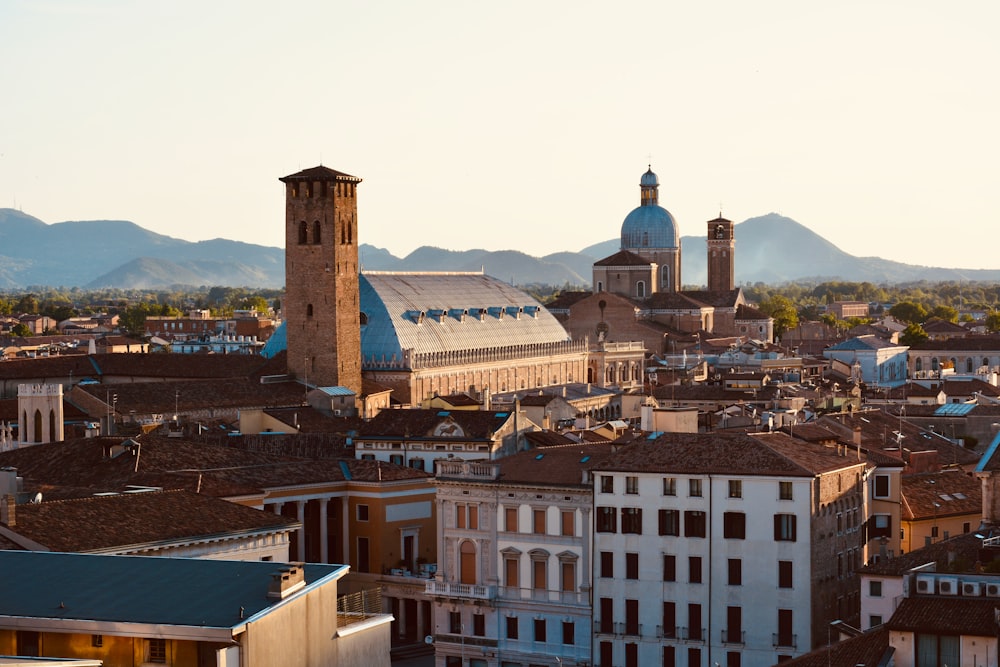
(7, 512)
(286, 581)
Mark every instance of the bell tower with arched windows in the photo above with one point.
(721, 245)
(321, 278)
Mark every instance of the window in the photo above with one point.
(669, 522)
(669, 567)
(784, 527)
(874, 620)
(881, 486)
(631, 565)
(606, 520)
(97, 641)
(607, 617)
(396, 459)
(784, 490)
(539, 572)
(568, 632)
(875, 588)
(736, 488)
(734, 525)
(934, 531)
(631, 617)
(632, 650)
(694, 622)
(568, 576)
(455, 622)
(539, 629)
(880, 526)
(669, 656)
(733, 659)
(669, 486)
(479, 625)
(632, 485)
(512, 627)
(694, 488)
(607, 484)
(511, 564)
(362, 512)
(784, 574)
(669, 628)
(694, 569)
(467, 516)
(568, 521)
(156, 651)
(510, 519)
(607, 564)
(632, 520)
(694, 523)
(734, 625)
(735, 572)
(606, 651)
(785, 637)
(538, 521)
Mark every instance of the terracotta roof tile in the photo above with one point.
(419, 423)
(866, 649)
(954, 492)
(946, 616)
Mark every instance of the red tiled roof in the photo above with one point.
(420, 423)
(101, 523)
(946, 616)
(866, 649)
(954, 491)
(562, 465)
(623, 258)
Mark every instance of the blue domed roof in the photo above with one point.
(649, 178)
(649, 226)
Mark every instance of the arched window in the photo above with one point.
(316, 233)
(919, 365)
(934, 363)
(37, 435)
(52, 425)
(303, 233)
(968, 365)
(640, 289)
(600, 286)
(363, 318)
(986, 362)
(467, 556)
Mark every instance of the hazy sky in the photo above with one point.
(511, 125)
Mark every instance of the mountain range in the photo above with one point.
(93, 254)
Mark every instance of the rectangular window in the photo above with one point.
(538, 522)
(784, 527)
(669, 486)
(669, 567)
(694, 621)
(568, 521)
(735, 572)
(539, 629)
(694, 569)
(874, 620)
(694, 523)
(512, 627)
(880, 526)
(607, 484)
(785, 637)
(631, 485)
(669, 628)
(569, 632)
(606, 520)
(784, 574)
(694, 656)
(510, 519)
(631, 565)
(568, 576)
(934, 531)
(669, 656)
(479, 625)
(510, 572)
(362, 512)
(607, 619)
(97, 641)
(694, 488)
(734, 625)
(734, 525)
(396, 459)
(736, 488)
(784, 490)
(606, 651)
(670, 521)
(467, 516)
(632, 617)
(538, 575)
(631, 655)
(156, 651)
(632, 520)
(875, 588)
(607, 564)
(881, 485)
(455, 622)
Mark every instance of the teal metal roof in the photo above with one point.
(954, 409)
(144, 590)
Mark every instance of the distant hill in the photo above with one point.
(116, 253)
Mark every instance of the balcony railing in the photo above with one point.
(456, 590)
(738, 637)
(784, 641)
(544, 595)
(692, 634)
(604, 627)
(669, 632)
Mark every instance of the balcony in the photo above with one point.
(603, 627)
(782, 640)
(451, 589)
(691, 634)
(738, 637)
(576, 598)
(669, 632)
(475, 471)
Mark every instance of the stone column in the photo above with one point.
(345, 529)
(324, 555)
(401, 621)
(421, 621)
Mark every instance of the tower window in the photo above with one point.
(316, 233)
(640, 289)
(309, 310)
(303, 233)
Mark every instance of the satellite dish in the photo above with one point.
(37, 499)
(429, 639)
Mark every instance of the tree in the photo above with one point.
(910, 312)
(21, 329)
(946, 313)
(993, 321)
(27, 304)
(783, 311)
(913, 334)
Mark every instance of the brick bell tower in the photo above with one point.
(721, 250)
(321, 306)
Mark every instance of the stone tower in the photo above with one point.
(721, 247)
(40, 413)
(321, 306)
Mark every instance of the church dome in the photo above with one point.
(650, 225)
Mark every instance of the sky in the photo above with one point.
(521, 124)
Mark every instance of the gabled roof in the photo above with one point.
(941, 494)
(946, 616)
(136, 520)
(559, 465)
(673, 301)
(745, 312)
(870, 649)
(723, 299)
(863, 343)
(623, 258)
(176, 595)
(420, 423)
